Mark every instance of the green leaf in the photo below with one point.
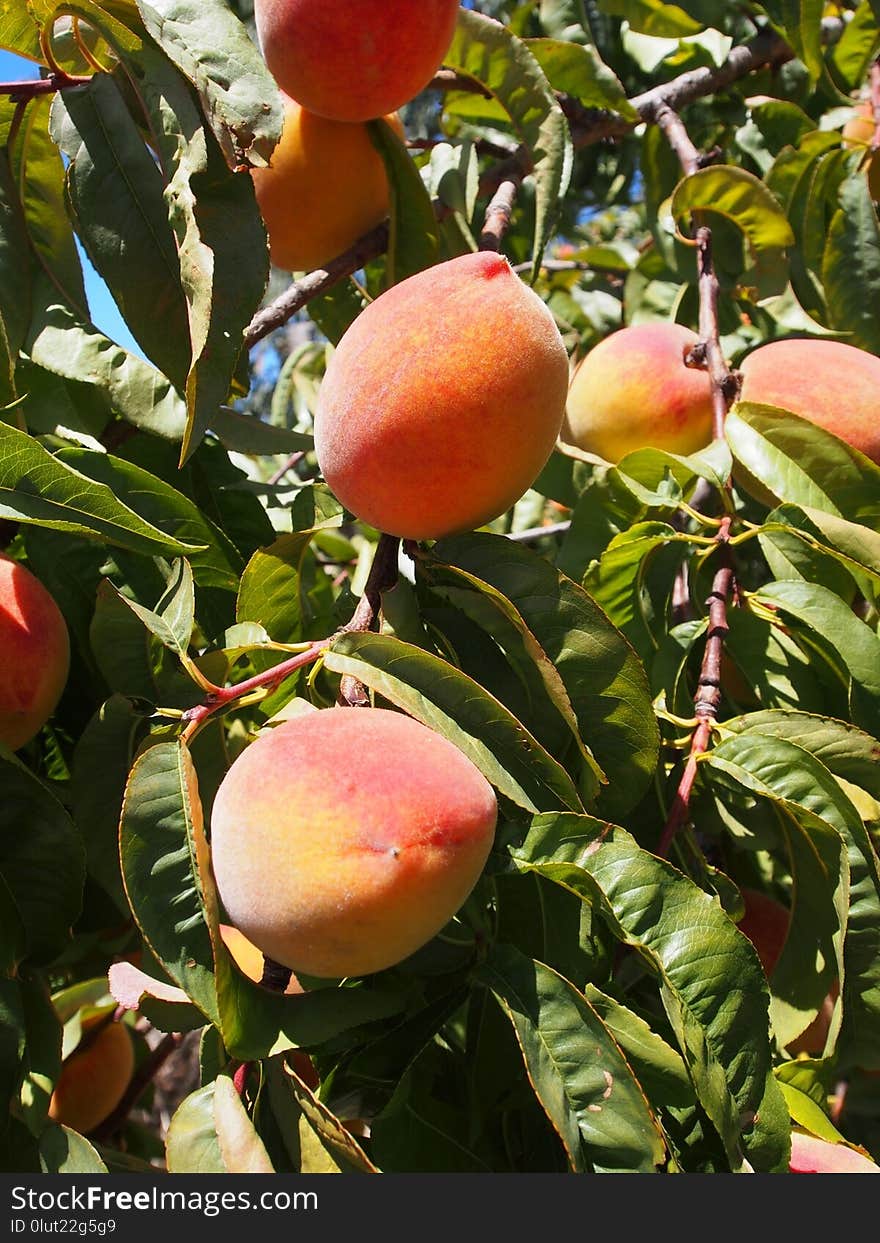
(653, 17)
(658, 1067)
(455, 706)
(272, 591)
(102, 759)
(854, 645)
(174, 617)
(42, 861)
(215, 562)
(115, 191)
(818, 827)
(577, 1070)
(208, 43)
(800, 24)
(579, 71)
(853, 51)
(19, 30)
(248, 434)
(720, 1020)
(738, 195)
(414, 236)
(854, 546)
(63, 1151)
(605, 680)
(851, 266)
(785, 459)
(158, 850)
(489, 53)
(809, 784)
(317, 1142)
(15, 278)
(192, 1145)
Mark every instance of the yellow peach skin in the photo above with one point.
(832, 384)
(34, 654)
(354, 60)
(344, 840)
(443, 400)
(633, 391)
(94, 1078)
(325, 187)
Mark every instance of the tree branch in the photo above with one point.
(588, 126)
(33, 88)
(499, 214)
(142, 1078)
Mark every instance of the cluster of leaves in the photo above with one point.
(187, 548)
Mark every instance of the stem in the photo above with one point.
(382, 577)
(32, 88)
(275, 977)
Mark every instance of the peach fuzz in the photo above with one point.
(94, 1078)
(35, 654)
(325, 187)
(830, 383)
(443, 400)
(810, 1155)
(633, 391)
(354, 60)
(344, 840)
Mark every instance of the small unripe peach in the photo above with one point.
(832, 384)
(811, 1155)
(94, 1078)
(443, 401)
(634, 391)
(342, 841)
(325, 187)
(354, 60)
(34, 654)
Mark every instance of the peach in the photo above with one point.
(325, 188)
(94, 1077)
(633, 391)
(860, 129)
(342, 841)
(831, 384)
(443, 400)
(35, 654)
(354, 60)
(810, 1155)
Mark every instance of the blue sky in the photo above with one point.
(103, 309)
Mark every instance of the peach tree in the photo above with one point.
(666, 666)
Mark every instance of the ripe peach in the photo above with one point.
(94, 1078)
(353, 60)
(325, 187)
(443, 400)
(832, 384)
(633, 391)
(810, 1155)
(35, 654)
(860, 129)
(344, 840)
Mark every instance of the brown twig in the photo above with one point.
(452, 80)
(275, 977)
(33, 88)
(588, 126)
(383, 576)
(140, 1081)
(499, 214)
(707, 699)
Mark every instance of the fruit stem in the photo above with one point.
(382, 577)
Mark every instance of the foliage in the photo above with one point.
(156, 497)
